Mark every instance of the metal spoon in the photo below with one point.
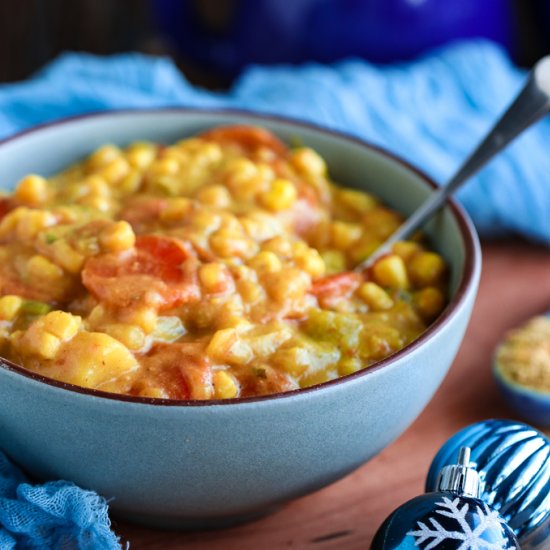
(530, 105)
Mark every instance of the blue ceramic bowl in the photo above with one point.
(203, 464)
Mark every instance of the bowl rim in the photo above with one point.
(466, 229)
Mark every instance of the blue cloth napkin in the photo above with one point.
(57, 515)
(431, 112)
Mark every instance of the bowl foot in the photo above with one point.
(190, 523)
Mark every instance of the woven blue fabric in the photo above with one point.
(57, 515)
(431, 112)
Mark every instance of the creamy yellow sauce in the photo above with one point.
(214, 268)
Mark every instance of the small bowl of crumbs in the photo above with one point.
(522, 370)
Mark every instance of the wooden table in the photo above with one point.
(515, 285)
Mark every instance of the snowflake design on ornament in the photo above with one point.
(471, 536)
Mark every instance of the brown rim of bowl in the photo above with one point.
(467, 231)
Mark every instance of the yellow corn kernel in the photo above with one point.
(215, 195)
(11, 219)
(167, 166)
(281, 196)
(375, 296)
(240, 171)
(358, 201)
(115, 170)
(429, 302)
(102, 156)
(390, 271)
(131, 336)
(265, 172)
(381, 222)
(96, 317)
(244, 188)
(36, 342)
(140, 155)
(311, 261)
(406, 249)
(278, 245)
(190, 144)
(179, 155)
(32, 222)
(32, 190)
(101, 204)
(426, 268)
(233, 321)
(292, 286)
(308, 161)
(266, 262)
(38, 268)
(344, 235)
(61, 324)
(250, 291)
(225, 385)
(213, 277)
(66, 257)
(167, 185)
(335, 261)
(43, 344)
(117, 237)
(206, 221)
(176, 210)
(231, 308)
(130, 183)
(349, 366)
(316, 377)
(97, 186)
(299, 247)
(9, 307)
(209, 152)
(227, 346)
(145, 318)
(227, 244)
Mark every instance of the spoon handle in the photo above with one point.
(530, 105)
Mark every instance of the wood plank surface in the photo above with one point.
(515, 285)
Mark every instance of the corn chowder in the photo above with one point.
(214, 268)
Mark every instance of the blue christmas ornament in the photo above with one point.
(513, 462)
(450, 518)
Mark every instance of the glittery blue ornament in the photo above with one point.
(450, 518)
(513, 461)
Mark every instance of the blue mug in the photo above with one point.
(227, 35)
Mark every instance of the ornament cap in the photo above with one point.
(460, 478)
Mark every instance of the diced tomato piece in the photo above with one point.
(10, 284)
(160, 256)
(264, 380)
(158, 271)
(248, 138)
(139, 211)
(181, 369)
(340, 284)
